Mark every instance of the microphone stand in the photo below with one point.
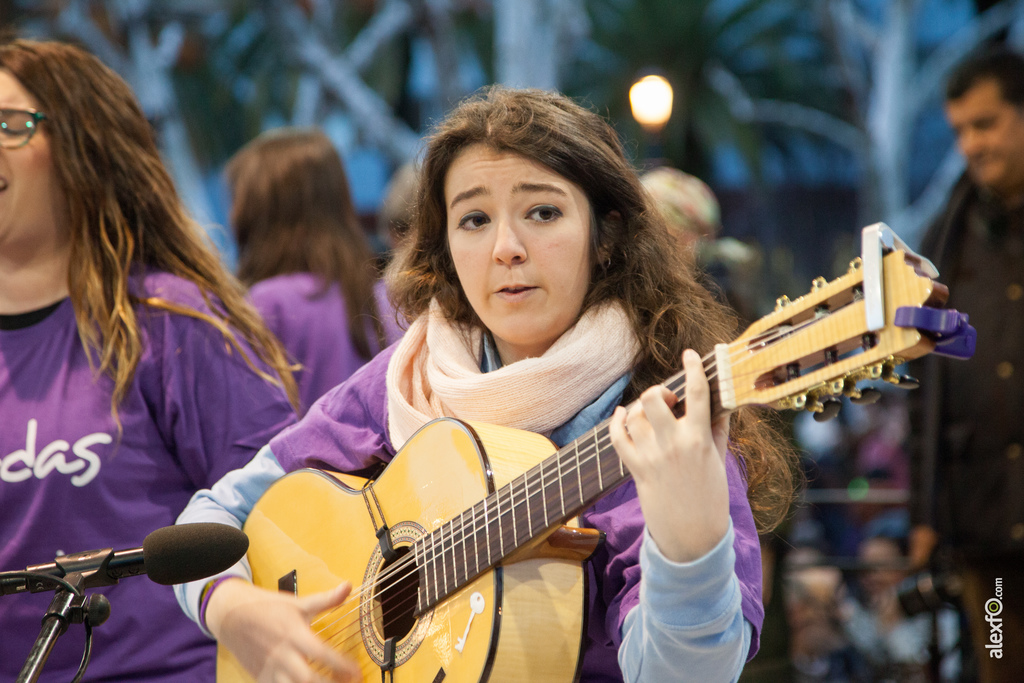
(69, 605)
(55, 623)
(174, 561)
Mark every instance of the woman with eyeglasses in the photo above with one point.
(132, 371)
(305, 257)
(544, 295)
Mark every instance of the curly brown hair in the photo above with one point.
(124, 214)
(635, 260)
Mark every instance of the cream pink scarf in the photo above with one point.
(435, 372)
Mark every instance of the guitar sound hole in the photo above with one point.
(396, 598)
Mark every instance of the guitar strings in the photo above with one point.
(390, 573)
(402, 601)
(394, 569)
(599, 433)
(591, 451)
(406, 598)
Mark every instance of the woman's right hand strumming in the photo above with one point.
(269, 633)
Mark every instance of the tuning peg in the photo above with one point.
(860, 396)
(875, 371)
(829, 409)
(906, 382)
(782, 302)
(865, 396)
(818, 283)
(902, 381)
(798, 402)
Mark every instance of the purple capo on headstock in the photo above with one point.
(953, 336)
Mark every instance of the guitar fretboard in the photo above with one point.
(542, 497)
(546, 495)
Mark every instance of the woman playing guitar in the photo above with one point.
(545, 295)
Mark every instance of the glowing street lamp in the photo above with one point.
(650, 98)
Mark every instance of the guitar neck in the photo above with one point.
(531, 505)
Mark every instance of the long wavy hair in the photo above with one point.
(635, 261)
(292, 212)
(125, 216)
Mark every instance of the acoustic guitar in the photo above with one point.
(465, 560)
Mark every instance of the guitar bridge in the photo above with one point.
(289, 583)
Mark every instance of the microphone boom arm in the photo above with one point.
(92, 565)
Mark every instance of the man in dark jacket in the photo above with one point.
(969, 417)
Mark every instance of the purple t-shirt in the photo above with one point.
(346, 430)
(312, 323)
(71, 481)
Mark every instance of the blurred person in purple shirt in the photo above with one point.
(132, 370)
(306, 258)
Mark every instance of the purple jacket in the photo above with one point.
(346, 430)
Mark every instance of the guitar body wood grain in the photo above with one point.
(319, 524)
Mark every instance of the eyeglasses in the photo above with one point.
(17, 126)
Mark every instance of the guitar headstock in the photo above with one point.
(884, 311)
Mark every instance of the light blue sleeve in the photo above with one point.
(688, 619)
(229, 502)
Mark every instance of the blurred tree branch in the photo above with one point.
(792, 114)
(888, 92)
(146, 64)
(340, 77)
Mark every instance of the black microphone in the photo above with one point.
(170, 555)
